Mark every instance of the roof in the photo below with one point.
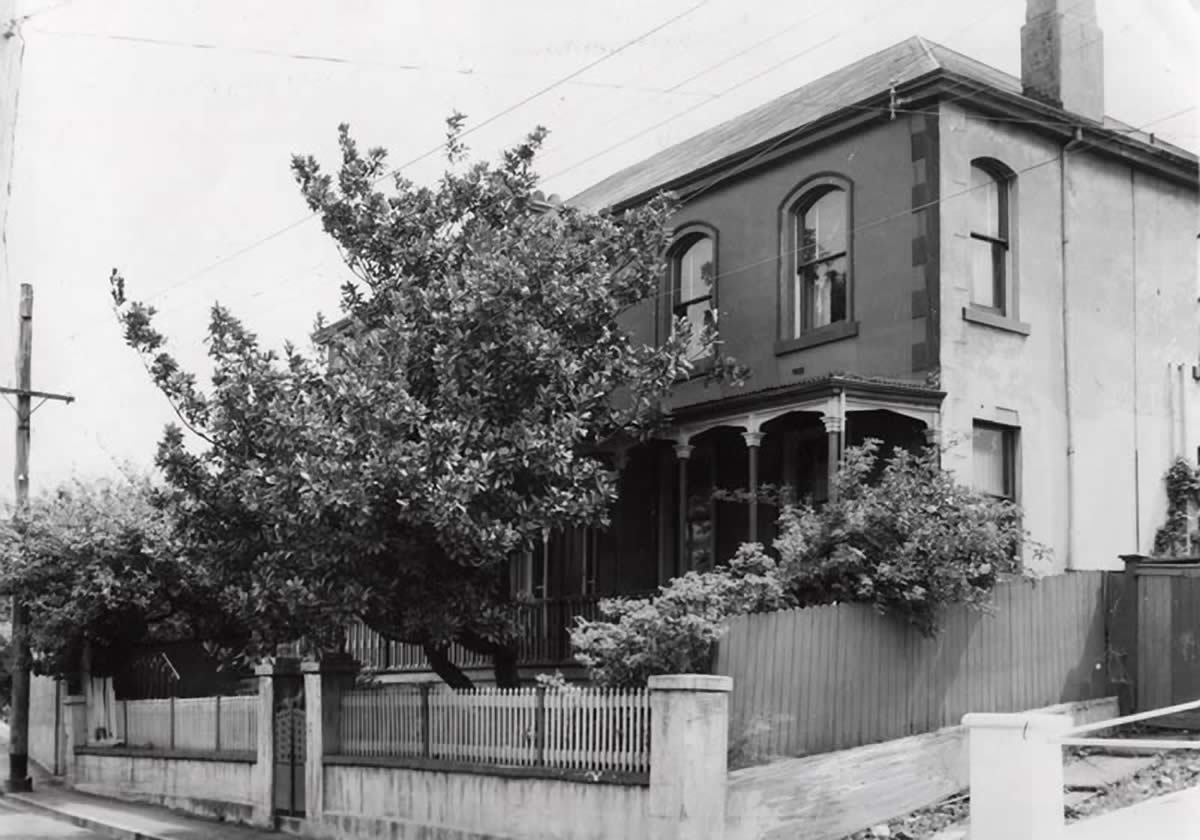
(864, 79)
(904, 390)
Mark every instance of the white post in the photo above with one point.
(75, 731)
(1016, 777)
(264, 764)
(689, 737)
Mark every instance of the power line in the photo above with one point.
(476, 127)
(719, 95)
(341, 60)
(711, 67)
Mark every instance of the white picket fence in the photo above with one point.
(584, 728)
(195, 724)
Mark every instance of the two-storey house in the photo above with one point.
(917, 247)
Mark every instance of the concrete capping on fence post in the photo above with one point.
(75, 726)
(1016, 775)
(324, 681)
(689, 736)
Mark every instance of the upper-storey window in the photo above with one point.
(693, 278)
(991, 238)
(820, 295)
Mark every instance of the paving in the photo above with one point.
(123, 820)
(1175, 816)
(1097, 772)
(18, 824)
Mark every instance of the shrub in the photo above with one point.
(903, 535)
(675, 631)
(1183, 489)
(910, 542)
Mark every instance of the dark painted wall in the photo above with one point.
(892, 170)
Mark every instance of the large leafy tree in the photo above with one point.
(94, 565)
(481, 365)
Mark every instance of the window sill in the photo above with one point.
(821, 335)
(993, 319)
(700, 369)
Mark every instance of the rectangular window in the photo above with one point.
(994, 460)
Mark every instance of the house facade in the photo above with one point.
(918, 248)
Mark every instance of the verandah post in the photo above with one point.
(218, 724)
(172, 719)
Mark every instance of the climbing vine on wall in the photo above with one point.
(1183, 490)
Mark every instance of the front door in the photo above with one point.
(289, 746)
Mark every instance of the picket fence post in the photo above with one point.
(689, 736)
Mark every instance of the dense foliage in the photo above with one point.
(92, 564)
(1181, 531)
(480, 361)
(674, 632)
(903, 535)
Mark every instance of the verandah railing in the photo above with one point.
(545, 639)
(195, 724)
(575, 729)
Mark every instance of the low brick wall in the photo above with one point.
(220, 786)
(402, 801)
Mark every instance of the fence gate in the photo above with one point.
(289, 746)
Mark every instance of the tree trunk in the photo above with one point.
(439, 660)
(504, 666)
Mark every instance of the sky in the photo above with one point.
(156, 135)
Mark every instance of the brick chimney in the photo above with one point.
(1062, 56)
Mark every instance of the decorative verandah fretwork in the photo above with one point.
(846, 407)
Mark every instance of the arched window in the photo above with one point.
(991, 239)
(820, 294)
(693, 279)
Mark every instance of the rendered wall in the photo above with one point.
(221, 789)
(403, 804)
(1131, 309)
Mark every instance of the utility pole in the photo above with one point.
(18, 742)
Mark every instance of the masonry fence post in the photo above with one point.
(1016, 780)
(324, 682)
(689, 736)
(74, 730)
(264, 761)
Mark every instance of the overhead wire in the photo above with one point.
(434, 150)
(341, 60)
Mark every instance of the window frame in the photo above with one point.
(1010, 442)
(792, 334)
(1004, 274)
(683, 239)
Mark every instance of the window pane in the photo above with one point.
(991, 459)
(695, 270)
(822, 293)
(983, 274)
(822, 227)
(985, 204)
(698, 314)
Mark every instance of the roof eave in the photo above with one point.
(931, 86)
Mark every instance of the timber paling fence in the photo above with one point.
(589, 729)
(832, 677)
(194, 724)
